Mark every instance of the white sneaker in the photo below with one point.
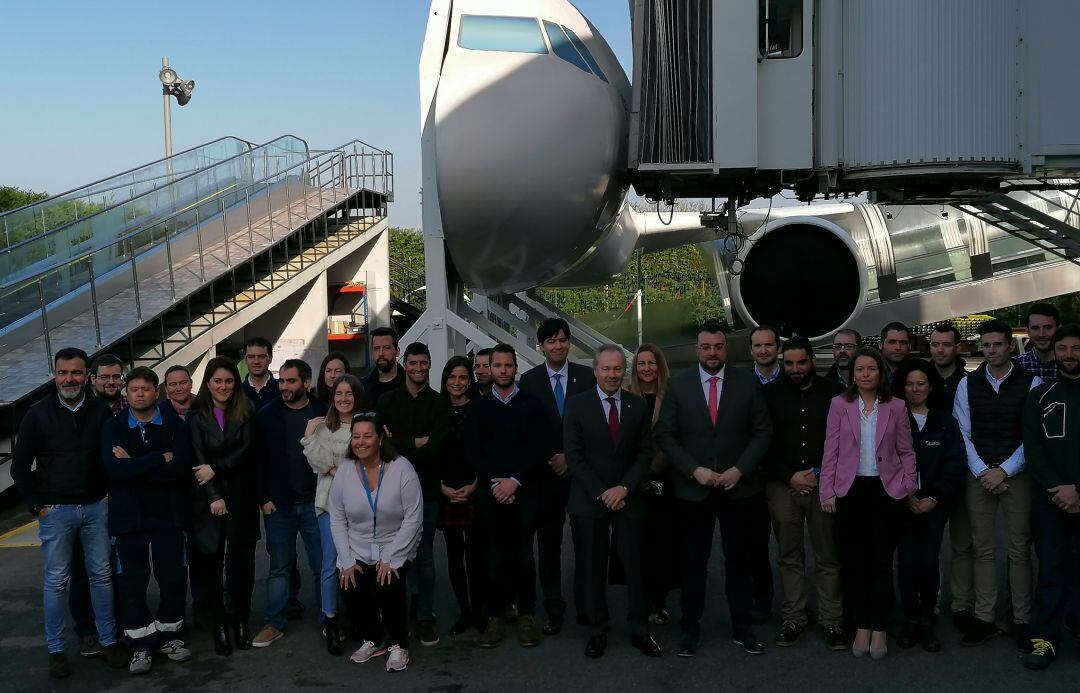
(140, 663)
(398, 659)
(175, 651)
(366, 652)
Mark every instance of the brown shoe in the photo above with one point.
(528, 633)
(58, 665)
(493, 633)
(116, 655)
(266, 636)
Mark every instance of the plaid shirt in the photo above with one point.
(1031, 363)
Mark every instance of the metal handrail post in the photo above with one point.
(225, 233)
(247, 211)
(168, 259)
(45, 325)
(198, 237)
(135, 283)
(288, 202)
(93, 302)
(270, 213)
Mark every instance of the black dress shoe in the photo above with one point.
(333, 636)
(647, 644)
(222, 646)
(745, 638)
(241, 636)
(687, 646)
(464, 623)
(552, 627)
(596, 646)
(909, 635)
(929, 639)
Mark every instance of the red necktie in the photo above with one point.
(613, 419)
(714, 399)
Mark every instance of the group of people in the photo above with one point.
(128, 476)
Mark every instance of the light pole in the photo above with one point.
(172, 85)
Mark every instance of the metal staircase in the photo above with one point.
(1032, 221)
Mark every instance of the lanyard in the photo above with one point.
(372, 503)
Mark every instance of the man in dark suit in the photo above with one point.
(714, 428)
(553, 382)
(607, 441)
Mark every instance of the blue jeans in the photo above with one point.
(425, 564)
(58, 530)
(329, 574)
(282, 527)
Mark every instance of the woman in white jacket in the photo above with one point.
(376, 515)
(325, 442)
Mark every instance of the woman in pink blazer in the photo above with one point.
(868, 471)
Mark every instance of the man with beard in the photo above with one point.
(178, 389)
(482, 370)
(417, 419)
(148, 457)
(845, 342)
(386, 375)
(895, 346)
(66, 492)
(1051, 441)
(944, 352)
(799, 407)
(553, 382)
(714, 428)
(1042, 322)
(107, 377)
(287, 489)
(260, 386)
(765, 350)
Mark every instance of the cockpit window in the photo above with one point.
(512, 34)
(563, 48)
(584, 52)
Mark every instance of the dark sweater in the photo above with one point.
(940, 457)
(799, 419)
(408, 418)
(507, 440)
(67, 448)
(147, 492)
(456, 470)
(1052, 433)
(375, 389)
(259, 399)
(275, 449)
(948, 395)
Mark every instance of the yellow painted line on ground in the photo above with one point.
(13, 540)
(15, 531)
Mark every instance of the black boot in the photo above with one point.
(333, 638)
(909, 634)
(929, 638)
(241, 635)
(222, 645)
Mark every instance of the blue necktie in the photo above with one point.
(560, 394)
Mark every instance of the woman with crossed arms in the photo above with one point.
(867, 474)
(376, 517)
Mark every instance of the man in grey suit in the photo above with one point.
(607, 442)
(714, 428)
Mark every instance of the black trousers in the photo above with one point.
(509, 531)
(738, 534)
(368, 599)
(593, 538)
(465, 566)
(551, 522)
(661, 527)
(869, 526)
(764, 591)
(161, 552)
(1057, 535)
(231, 568)
(919, 561)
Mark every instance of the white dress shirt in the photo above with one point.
(705, 381)
(564, 372)
(1015, 462)
(868, 441)
(607, 405)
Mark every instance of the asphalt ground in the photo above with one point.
(299, 660)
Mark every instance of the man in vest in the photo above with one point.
(989, 408)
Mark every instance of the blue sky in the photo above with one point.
(80, 100)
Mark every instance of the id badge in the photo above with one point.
(374, 552)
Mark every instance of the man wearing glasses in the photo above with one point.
(845, 342)
(107, 378)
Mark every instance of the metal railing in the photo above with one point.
(178, 243)
(38, 218)
(99, 229)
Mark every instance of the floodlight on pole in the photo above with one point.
(173, 85)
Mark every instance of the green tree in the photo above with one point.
(12, 197)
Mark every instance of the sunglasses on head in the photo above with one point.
(364, 415)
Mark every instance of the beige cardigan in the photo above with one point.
(325, 449)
